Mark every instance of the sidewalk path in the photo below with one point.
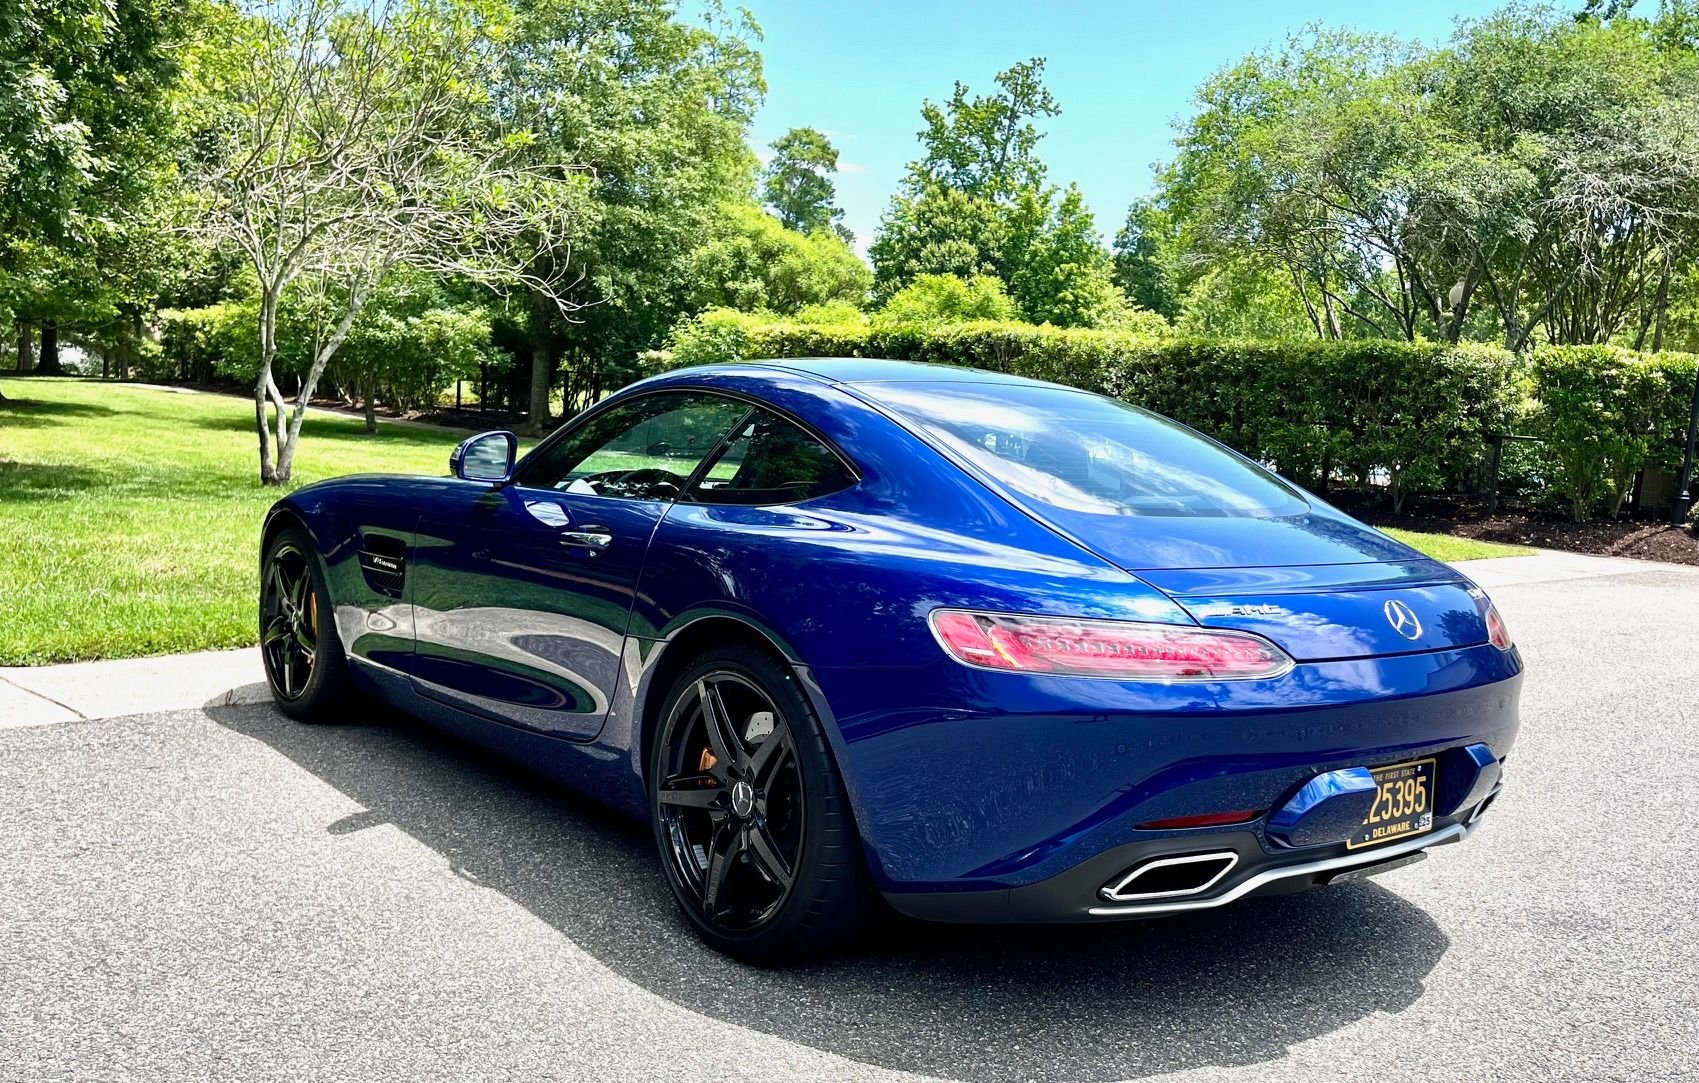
(40, 695)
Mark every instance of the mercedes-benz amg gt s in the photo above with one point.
(993, 649)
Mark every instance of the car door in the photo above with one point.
(522, 591)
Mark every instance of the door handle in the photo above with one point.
(593, 538)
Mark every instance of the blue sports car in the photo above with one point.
(991, 649)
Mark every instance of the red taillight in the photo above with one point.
(1106, 648)
(1497, 634)
(1208, 819)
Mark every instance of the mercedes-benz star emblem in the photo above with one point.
(743, 798)
(1403, 619)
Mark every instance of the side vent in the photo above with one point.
(383, 560)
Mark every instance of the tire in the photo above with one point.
(791, 816)
(322, 690)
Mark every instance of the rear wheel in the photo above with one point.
(304, 661)
(755, 833)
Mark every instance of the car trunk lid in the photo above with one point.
(1325, 612)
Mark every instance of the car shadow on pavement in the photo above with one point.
(1233, 987)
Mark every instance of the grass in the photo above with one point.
(1450, 548)
(130, 516)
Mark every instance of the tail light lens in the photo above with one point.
(1122, 650)
(1497, 634)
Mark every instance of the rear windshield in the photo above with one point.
(1088, 454)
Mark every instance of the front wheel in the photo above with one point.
(304, 661)
(755, 833)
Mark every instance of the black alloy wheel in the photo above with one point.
(289, 621)
(753, 826)
(732, 801)
(304, 661)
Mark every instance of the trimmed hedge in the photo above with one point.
(1605, 414)
(1416, 416)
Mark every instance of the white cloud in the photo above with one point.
(851, 167)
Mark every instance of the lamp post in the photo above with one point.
(1678, 510)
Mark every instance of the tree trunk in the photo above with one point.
(289, 439)
(1662, 305)
(371, 410)
(542, 369)
(48, 364)
(264, 387)
(26, 346)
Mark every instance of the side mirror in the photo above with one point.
(485, 457)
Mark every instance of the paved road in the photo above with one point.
(221, 894)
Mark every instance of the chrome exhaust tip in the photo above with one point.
(1171, 877)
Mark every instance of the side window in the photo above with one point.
(771, 461)
(645, 449)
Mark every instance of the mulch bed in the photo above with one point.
(1646, 539)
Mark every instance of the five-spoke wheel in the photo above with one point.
(732, 800)
(289, 621)
(304, 663)
(752, 823)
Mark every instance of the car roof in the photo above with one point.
(864, 370)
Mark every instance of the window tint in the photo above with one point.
(772, 461)
(644, 449)
(1088, 454)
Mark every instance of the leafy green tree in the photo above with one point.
(655, 107)
(936, 230)
(362, 145)
(83, 96)
(1064, 276)
(947, 298)
(1242, 299)
(1139, 267)
(797, 183)
(987, 146)
(753, 263)
(976, 203)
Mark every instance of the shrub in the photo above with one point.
(948, 299)
(1604, 414)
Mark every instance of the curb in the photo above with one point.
(82, 691)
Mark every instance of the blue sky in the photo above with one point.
(1121, 71)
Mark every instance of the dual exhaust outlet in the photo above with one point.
(1171, 877)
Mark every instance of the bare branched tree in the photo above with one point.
(355, 139)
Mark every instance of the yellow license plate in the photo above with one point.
(1404, 804)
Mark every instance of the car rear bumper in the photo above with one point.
(1027, 794)
(1078, 894)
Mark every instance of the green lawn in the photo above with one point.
(1448, 547)
(130, 516)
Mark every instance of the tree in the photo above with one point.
(753, 263)
(1541, 166)
(356, 141)
(83, 93)
(1139, 267)
(987, 146)
(797, 183)
(1064, 276)
(937, 230)
(655, 107)
(976, 203)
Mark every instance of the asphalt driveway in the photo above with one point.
(223, 894)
